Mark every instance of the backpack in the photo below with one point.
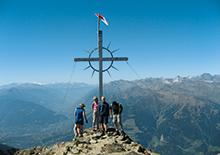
(79, 115)
(115, 108)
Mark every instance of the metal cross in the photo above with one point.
(100, 59)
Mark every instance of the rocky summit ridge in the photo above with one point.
(92, 143)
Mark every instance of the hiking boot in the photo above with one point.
(124, 138)
(116, 133)
(103, 133)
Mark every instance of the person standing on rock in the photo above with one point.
(103, 115)
(95, 112)
(80, 116)
(115, 111)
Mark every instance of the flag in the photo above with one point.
(102, 18)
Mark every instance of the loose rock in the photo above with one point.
(92, 144)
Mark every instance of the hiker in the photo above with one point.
(115, 111)
(80, 116)
(95, 111)
(103, 115)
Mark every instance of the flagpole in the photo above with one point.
(98, 24)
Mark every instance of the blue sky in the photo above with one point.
(39, 38)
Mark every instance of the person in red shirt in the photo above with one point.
(95, 111)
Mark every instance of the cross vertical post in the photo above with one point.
(100, 60)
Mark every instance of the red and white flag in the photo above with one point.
(102, 18)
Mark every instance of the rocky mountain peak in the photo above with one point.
(206, 76)
(93, 143)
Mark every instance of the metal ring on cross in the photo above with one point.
(107, 68)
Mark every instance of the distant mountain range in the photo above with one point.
(34, 114)
(170, 115)
(58, 97)
(23, 114)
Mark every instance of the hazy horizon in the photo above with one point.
(96, 84)
(39, 39)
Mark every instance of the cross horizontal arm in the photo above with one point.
(103, 59)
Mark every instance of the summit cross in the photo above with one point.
(101, 59)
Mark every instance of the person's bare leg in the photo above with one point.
(93, 120)
(105, 127)
(97, 120)
(114, 122)
(117, 123)
(81, 130)
(78, 129)
(100, 127)
(120, 123)
(75, 131)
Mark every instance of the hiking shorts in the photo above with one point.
(79, 122)
(116, 118)
(103, 119)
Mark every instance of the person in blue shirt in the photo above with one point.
(103, 114)
(80, 116)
